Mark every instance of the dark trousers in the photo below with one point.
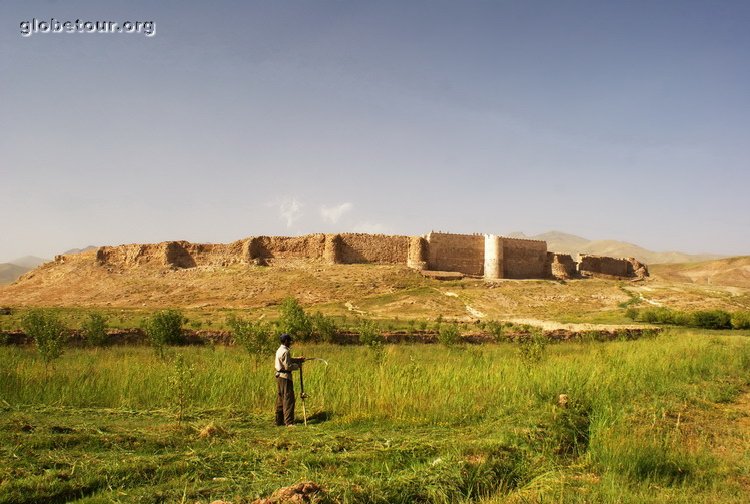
(284, 401)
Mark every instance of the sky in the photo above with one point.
(604, 119)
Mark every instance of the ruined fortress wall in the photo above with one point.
(455, 252)
(524, 258)
(610, 266)
(561, 266)
(217, 254)
(418, 253)
(287, 247)
(367, 248)
(179, 254)
(133, 254)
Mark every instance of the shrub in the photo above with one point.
(47, 331)
(369, 334)
(94, 330)
(713, 319)
(293, 320)
(181, 385)
(532, 348)
(164, 328)
(255, 337)
(449, 334)
(422, 325)
(324, 327)
(495, 329)
(631, 313)
(741, 320)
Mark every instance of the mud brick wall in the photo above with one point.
(561, 266)
(597, 265)
(367, 248)
(217, 254)
(133, 254)
(287, 247)
(524, 258)
(455, 252)
(418, 253)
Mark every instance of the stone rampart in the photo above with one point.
(524, 258)
(606, 266)
(561, 266)
(367, 248)
(287, 247)
(456, 252)
(491, 256)
(418, 253)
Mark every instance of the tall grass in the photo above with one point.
(473, 420)
(422, 383)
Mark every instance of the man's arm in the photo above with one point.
(291, 364)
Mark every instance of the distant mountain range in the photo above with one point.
(11, 271)
(571, 244)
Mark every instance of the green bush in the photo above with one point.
(255, 337)
(631, 313)
(47, 331)
(324, 328)
(532, 348)
(293, 320)
(449, 335)
(164, 328)
(369, 333)
(94, 330)
(712, 319)
(495, 329)
(741, 320)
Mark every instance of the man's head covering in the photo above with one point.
(285, 339)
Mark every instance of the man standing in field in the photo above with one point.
(284, 365)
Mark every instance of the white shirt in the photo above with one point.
(283, 363)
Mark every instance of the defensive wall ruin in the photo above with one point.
(479, 255)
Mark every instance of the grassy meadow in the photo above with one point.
(652, 420)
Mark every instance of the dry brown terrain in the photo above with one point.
(380, 291)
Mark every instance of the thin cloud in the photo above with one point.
(290, 210)
(333, 214)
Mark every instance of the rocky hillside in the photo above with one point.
(733, 271)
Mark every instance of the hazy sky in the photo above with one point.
(611, 120)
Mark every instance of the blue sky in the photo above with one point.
(610, 120)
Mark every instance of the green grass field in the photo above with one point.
(653, 420)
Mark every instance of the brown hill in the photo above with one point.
(734, 272)
(10, 272)
(374, 290)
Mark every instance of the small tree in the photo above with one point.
(94, 329)
(449, 334)
(181, 385)
(533, 348)
(293, 320)
(495, 328)
(164, 328)
(324, 327)
(255, 337)
(741, 320)
(47, 331)
(370, 335)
